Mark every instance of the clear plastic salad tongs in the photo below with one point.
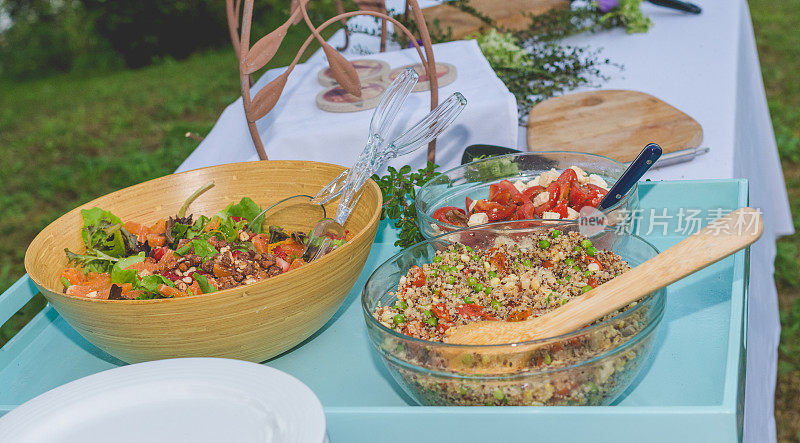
(385, 113)
(376, 154)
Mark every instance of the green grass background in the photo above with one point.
(65, 140)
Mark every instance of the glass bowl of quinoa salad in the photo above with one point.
(467, 195)
(509, 272)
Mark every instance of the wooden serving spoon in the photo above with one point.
(716, 241)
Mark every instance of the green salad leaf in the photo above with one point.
(200, 246)
(121, 275)
(202, 281)
(246, 209)
(94, 261)
(101, 232)
(198, 227)
(150, 283)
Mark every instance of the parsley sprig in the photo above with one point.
(399, 189)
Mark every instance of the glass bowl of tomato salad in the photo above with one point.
(524, 186)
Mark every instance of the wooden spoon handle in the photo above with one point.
(720, 239)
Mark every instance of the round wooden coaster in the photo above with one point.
(336, 99)
(366, 69)
(445, 73)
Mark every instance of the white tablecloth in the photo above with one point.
(705, 65)
(298, 130)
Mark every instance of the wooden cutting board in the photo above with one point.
(614, 123)
(508, 14)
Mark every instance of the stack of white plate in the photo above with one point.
(182, 400)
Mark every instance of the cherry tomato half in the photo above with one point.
(451, 214)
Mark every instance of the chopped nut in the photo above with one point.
(244, 236)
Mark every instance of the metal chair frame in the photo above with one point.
(252, 58)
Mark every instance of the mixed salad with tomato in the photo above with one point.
(180, 256)
(548, 196)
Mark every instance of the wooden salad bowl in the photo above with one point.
(254, 322)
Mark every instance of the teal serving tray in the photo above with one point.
(691, 389)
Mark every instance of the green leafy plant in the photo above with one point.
(399, 189)
(541, 71)
(629, 15)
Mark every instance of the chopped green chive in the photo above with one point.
(401, 305)
(487, 291)
(569, 261)
(547, 359)
(544, 244)
(555, 233)
(591, 250)
(585, 243)
(399, 318)
(468, 300)
(577, 268)
(65, 282)
(492, 274)
(471, 281)
(588, 273)
(434, 273)
(437, 259)
(496, 304)
(586, 289)
(479, 287)
(431, 321)
(451, 280)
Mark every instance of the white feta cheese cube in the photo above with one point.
(598, 181)
(582, 176)
(551, 215)
(548, 177)
(479, 218)
(541, 198)
(534, 182)
(520, 185)
(572, 214)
